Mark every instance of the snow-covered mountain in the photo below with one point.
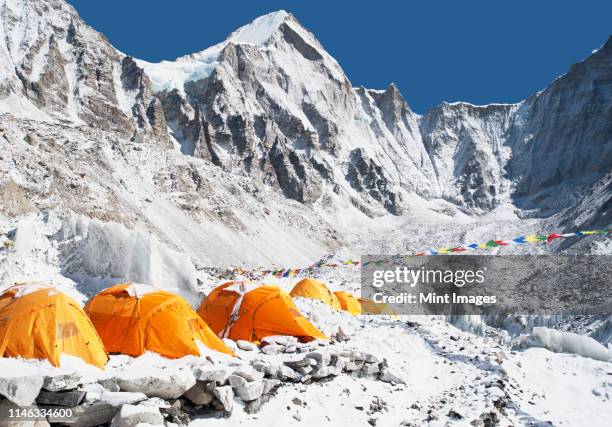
(259, 150)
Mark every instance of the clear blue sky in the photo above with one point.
(473, 50)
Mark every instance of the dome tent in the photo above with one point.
(39, 322)
(251, 312)
(348, 302)
(315, 289)
(134, 318)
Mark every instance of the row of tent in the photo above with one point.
(38, 321)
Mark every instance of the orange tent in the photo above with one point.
(348, 302)
(370, 307)
(248, 311)
(315, 289)
(38, 321)
(134, 318)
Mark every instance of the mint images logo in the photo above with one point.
(489, 284)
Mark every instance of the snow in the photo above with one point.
(169, 75)
(568, 342)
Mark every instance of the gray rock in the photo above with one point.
(254, 406)
(369, 369)
(327, 371)
(323, 357)
(225, 396)
(132, 415)
(248, 373)
(110, 384)
(350, 366)
(236, 381)
(62, 382)
(21, 390)
(285, 373)
(273, 349)
(89, 415)
(295, 364)
(284, 340)
(199, 394)
(389, 376)
(97, 393)
(168, 385)
(206, 373)
(269, 385)
(60, 398)
(246, 345)
(370, 358)
(250, 390)
(291, 349)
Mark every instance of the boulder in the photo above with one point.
(389, 376)
(97, 393)
(110, 384)
(60, 398)
(322, 357)
(225, 396)
(370, 358)
(284, 340)
(208, 373)
(246, 345)
(269, 385)
(131, 415)
(21, 390)
(369, 369)
(62, 382)
(248, 373)
(236, 381)
(254, 406)
(295, 364)
(88, 415)
(167, 385)
(326, 371)
(350, 366)
(250, 390)
(199, 394)
(285, 373)
(271, 349)
(291, 349)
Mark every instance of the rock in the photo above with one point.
(225, 396)
(158, 403)
(370, 358)
(248, 373)
(327, 371)
(230, 343)
(89, 415)
(369, 369)
(21, 390)
(206, 373)
(350, 366)
(291, 349)
(284, 340)
(273, 349)
(250, 390)
(295, 364)
(97, 393)
(5, 421)
(254, 406)
(285, 373)
(199, 394)
(246, 345)
(62, 382)
(323, 357)
(236, 381)
(168, 385)
(389, 376)
(63, 398)
(131, 415)
(269, 385)
(110, 384)
(175, 416)
(340, 363)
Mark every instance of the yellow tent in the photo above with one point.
(251, 311)
(348, 302)
(370, 307)
(134, 318)
(315, 289)
(39, 322)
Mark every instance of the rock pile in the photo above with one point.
(173, 396)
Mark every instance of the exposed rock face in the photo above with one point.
(209, 142)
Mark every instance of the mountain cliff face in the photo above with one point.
(260, 150)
